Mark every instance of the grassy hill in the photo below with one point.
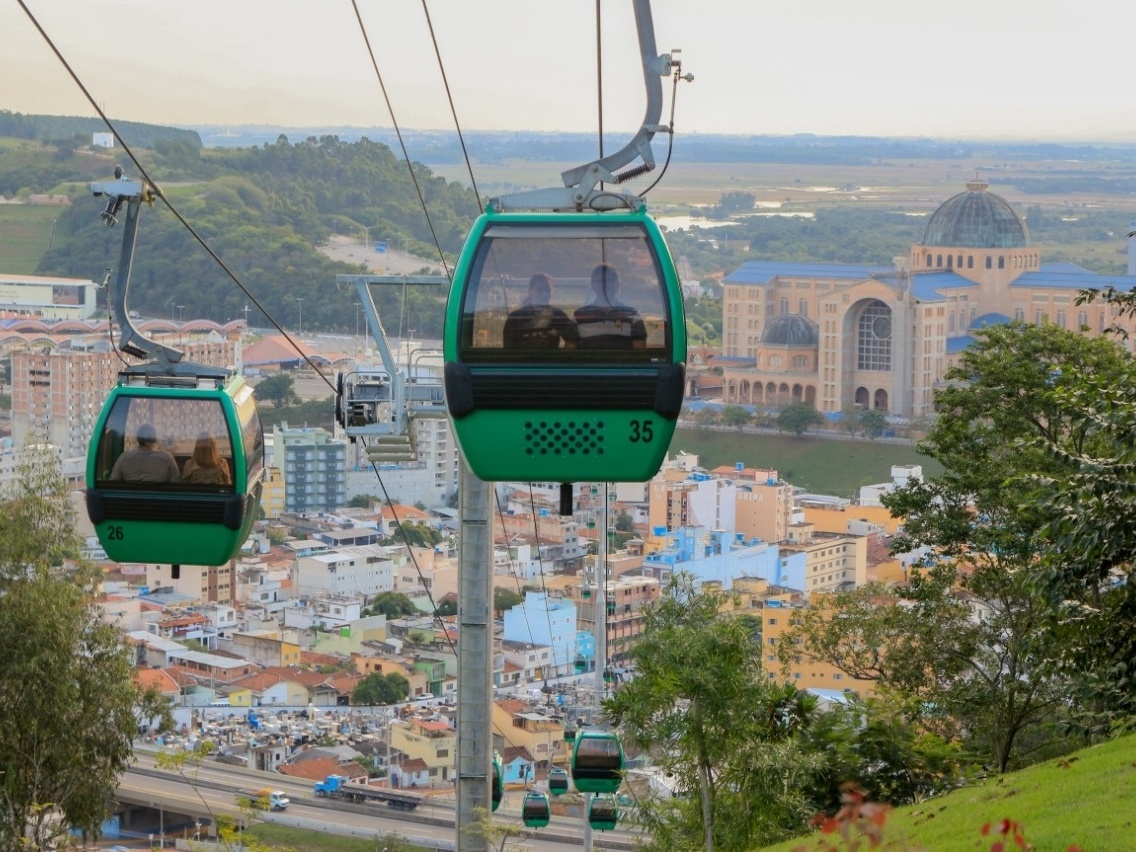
(821, 465)
(24, 233)
(1085, 800)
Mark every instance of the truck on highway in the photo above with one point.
(264, 798)
(340, 787)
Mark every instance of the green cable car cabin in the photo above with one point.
(175, 469)
(565, 347)
(597, 762)
(536, 812)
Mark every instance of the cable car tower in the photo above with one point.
(377, 402)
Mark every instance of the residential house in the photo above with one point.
(433, 742)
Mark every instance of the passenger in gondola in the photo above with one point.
(206, 467)
(147, 463)
(605, 322)
(537, 324)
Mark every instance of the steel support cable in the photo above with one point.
(453, 111)
(398, 134)
(540, 562)
(516, 577)
(410, 551)
(169, 205)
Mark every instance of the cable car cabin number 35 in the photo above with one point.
(565, 347)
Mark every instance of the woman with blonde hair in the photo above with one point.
(206, 467)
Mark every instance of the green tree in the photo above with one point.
(391, 604)
(449, 606)
(798, 418)
(736, 416)
(850, 419)
(377, 688)
(1008, 435)
(702, 707)
(504, 599)
(67, 694)
(875, 744)
(873, 423)
(279, 389)
(363, 501)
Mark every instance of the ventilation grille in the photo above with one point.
(565, 438)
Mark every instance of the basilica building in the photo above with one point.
(882, 337)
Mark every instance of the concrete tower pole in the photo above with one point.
(600, 622)
(475, 656)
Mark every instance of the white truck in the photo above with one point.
(264, 798)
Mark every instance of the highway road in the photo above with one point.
(212, 788)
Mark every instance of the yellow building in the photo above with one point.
(541, 735)
(775, 607)
(882, 337)
(435, 743)
(832, 560)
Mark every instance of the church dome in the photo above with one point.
(791, 330)
(976, 219)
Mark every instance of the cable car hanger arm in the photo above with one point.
(133, 193)
(579, 191)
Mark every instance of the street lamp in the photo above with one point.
(300, 300)
(180, 307)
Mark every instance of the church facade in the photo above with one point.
(882, 337)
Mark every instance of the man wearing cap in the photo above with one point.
(147, 463)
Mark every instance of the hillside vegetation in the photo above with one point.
(1084, 800)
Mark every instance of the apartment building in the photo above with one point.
(314, 468)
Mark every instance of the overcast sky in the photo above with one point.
(1048, 69)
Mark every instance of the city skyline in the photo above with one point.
(876, 68)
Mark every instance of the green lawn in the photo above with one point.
(1086, 800)
(276, 836)
(821, 465)
(24, 232)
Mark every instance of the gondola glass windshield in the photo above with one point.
(577, 294)
(181, 445)
(175, 474)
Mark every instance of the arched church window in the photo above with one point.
(970, 261)
(873, 337)
(803, 307)
(938, 261)
(1082, 320)
(928, 260)
(1060, 319)
(1001, 262)
(784, 306)
(989, 262)
(950, 262)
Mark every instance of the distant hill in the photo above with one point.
(57, 128)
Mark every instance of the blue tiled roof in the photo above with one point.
(989, 319)
(1069, 276)
(764, 271)
(928, 286)
(958, 344)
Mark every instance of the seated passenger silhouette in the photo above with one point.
(605, 322)
(147, 463)
(537, 324)
(206, 467)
